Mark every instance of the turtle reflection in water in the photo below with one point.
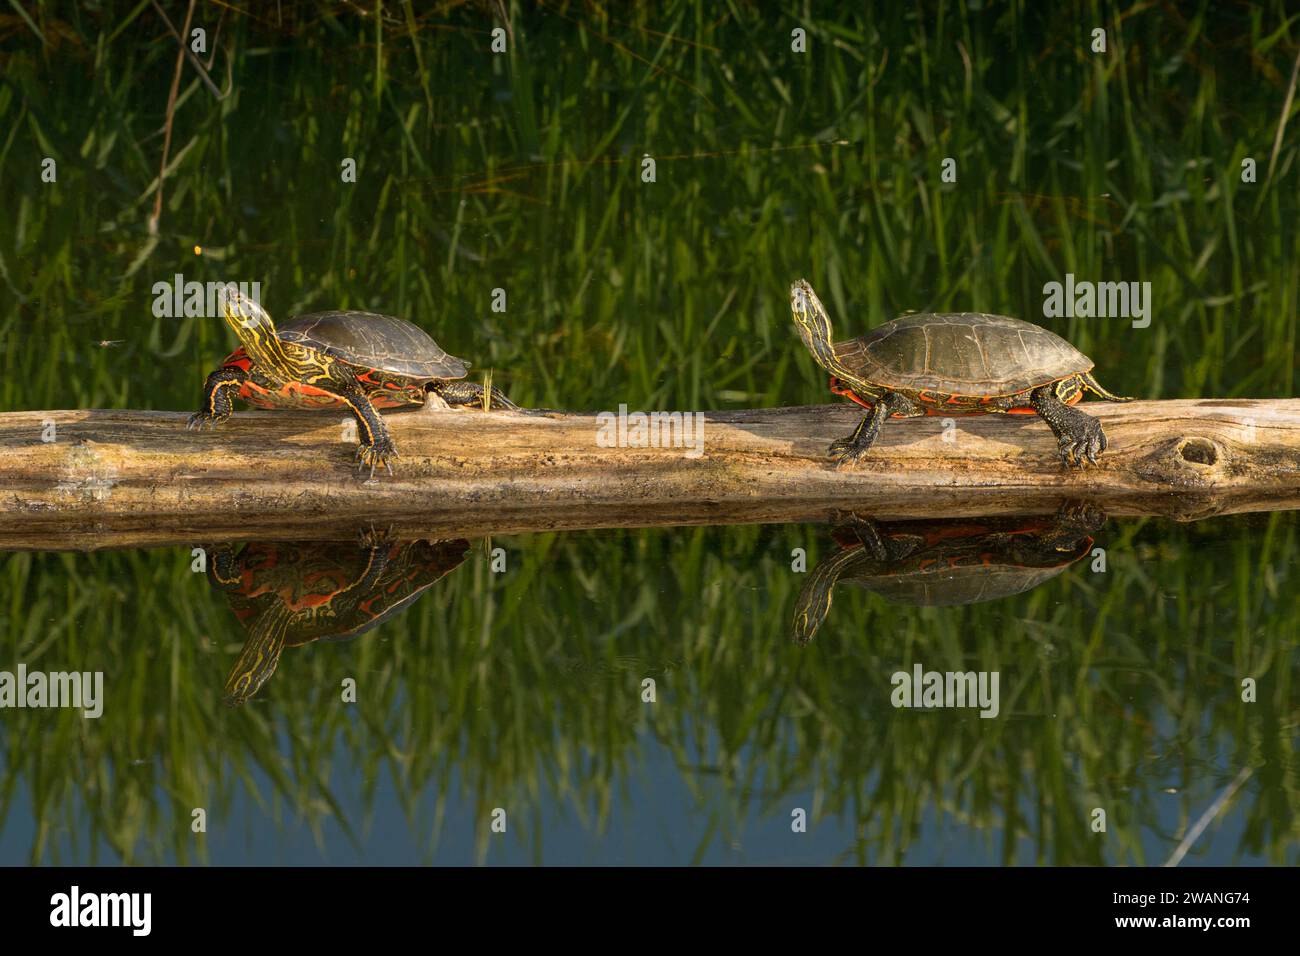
(293, 593)
(945, 562)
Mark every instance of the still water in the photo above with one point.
(523, 689)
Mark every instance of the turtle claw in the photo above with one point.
(1074, 455)
(846, 452)
(1083, 516)
(1083, 445)
(372, 537)
(380, 454)
(200, 420)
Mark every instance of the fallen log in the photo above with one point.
(102, 478)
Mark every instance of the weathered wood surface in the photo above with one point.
(135, 478)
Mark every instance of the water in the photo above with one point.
(523, 688)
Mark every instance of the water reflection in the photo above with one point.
(287, 594)
(524, 689)
(945, 562)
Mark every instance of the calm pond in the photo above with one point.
(523, 689)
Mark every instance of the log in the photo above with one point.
(140, 479)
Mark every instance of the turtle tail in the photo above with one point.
(471, 393)
(1092, 385)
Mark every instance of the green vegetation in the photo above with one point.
(522, 171)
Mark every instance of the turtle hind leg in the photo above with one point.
(850, 450)
(471, 393)
(218, 398)
(1087, 381)
(1079, 437)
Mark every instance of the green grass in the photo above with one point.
(522, 172)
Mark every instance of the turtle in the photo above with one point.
(362, 361)
(945, 562)
(963, 363)
(286, 594)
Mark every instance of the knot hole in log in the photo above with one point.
(1189, 461)
(1199, 451)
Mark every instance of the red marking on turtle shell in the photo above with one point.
(302, 395)
(935, 406)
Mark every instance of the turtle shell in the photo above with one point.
(962, 563)
(954, 586)
(316, 584)
(371, 340)
(961, 353)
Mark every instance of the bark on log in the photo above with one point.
(136, 478)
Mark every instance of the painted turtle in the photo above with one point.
(286, 594)
(361, 361)
(965, 363)
(945, 562)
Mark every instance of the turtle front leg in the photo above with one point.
(375, 447)
(377, 545)
(1074, 521)
(1078, 436)
(850, 450)
(894, 548)
(223, 569)
(219, 392)
(470, 393)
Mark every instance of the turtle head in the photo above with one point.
(254, 327)
(812, 323)
(243, 314)
(814, 600)
(261, 653)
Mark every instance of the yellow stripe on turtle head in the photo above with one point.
(814, 327)
(809, 315)
(260, 655)
(257, 334)
(244, 315)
